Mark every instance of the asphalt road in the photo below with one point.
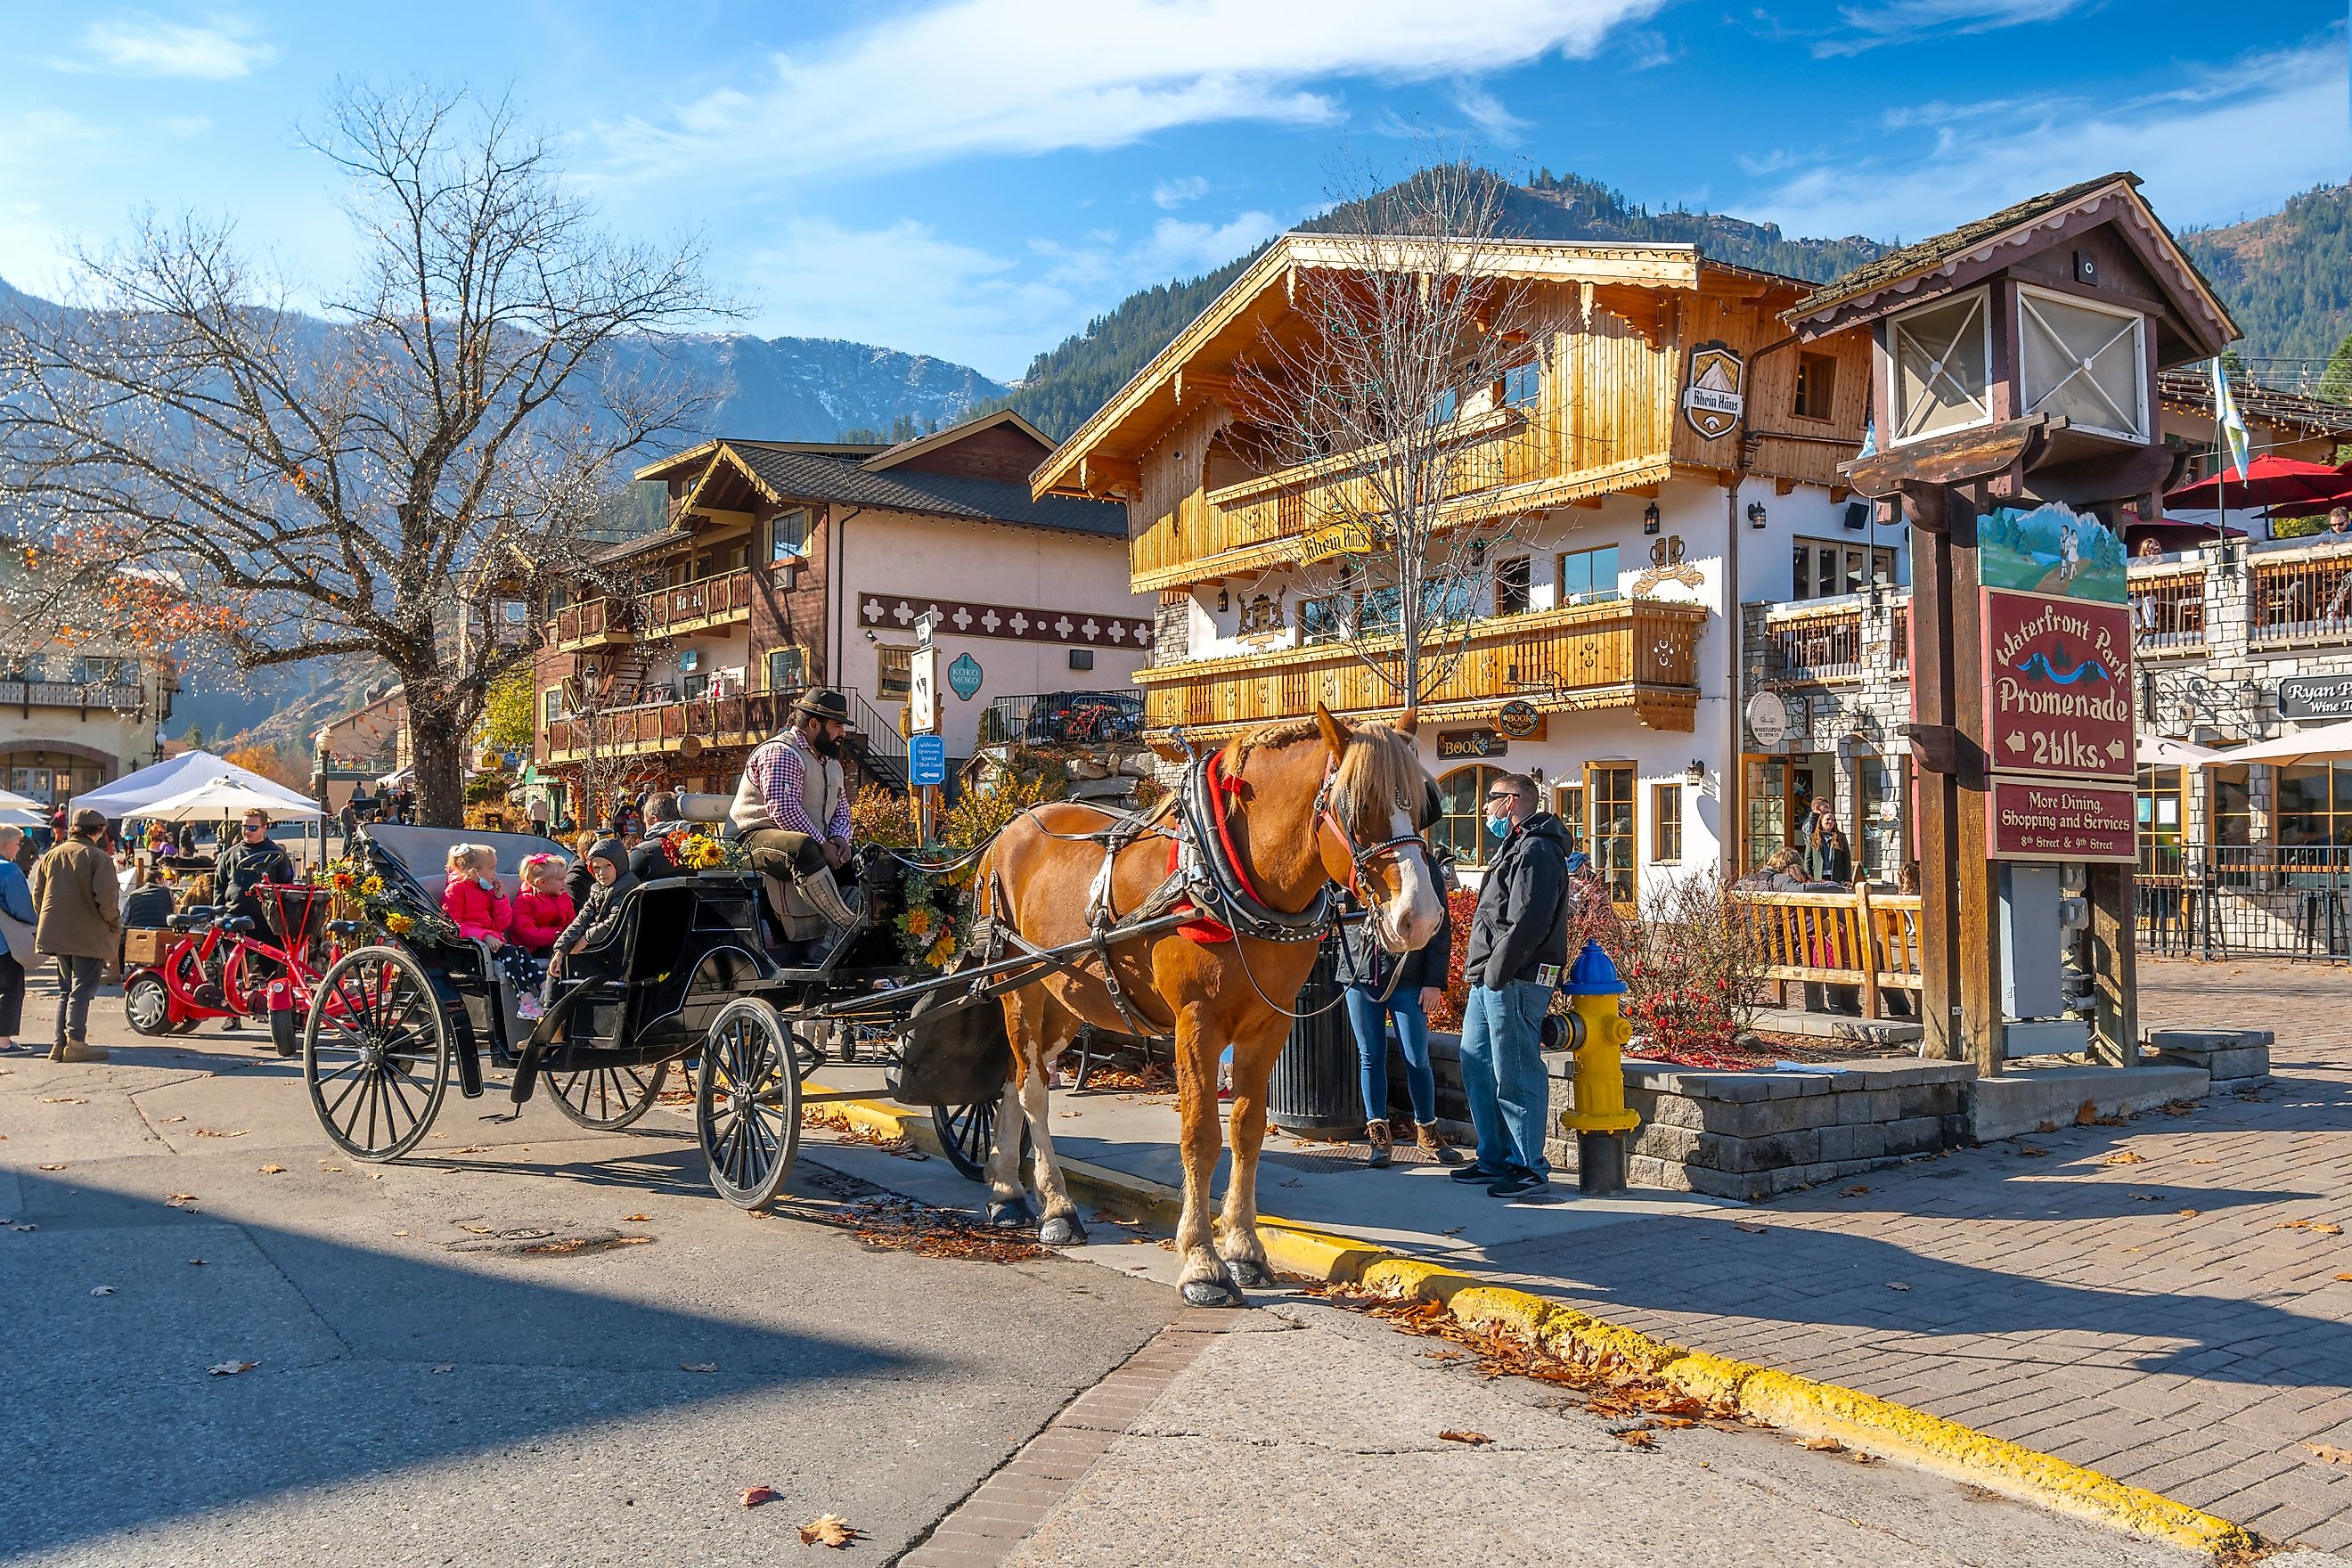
(427, 1390)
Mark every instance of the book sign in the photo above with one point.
(2063, 819)
(2058, 694)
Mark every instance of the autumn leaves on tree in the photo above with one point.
(380, 485)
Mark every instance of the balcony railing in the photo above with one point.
(667, 727)
(1635, 653)
(2168, 611)
(1822, 646)
(2308, 600)
(118, 698)
(592, 621)
(665, 612)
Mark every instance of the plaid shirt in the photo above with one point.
(776, 769)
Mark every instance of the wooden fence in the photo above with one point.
(1862, 938)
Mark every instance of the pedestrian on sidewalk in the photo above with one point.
(1518, 946)
(79, 924)
(1384, 987)
(17, 925)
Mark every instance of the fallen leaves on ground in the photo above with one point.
(697, 1366)
(2088, 1115)
(211, 1132)
(752, 1496)
(2178, 1107)
(2317, 1227)
(1750, 1226)
(179, 1200)
(57, 1167)
(1852, 1192)
(829, 1530)
(63, 1100)
(1637, 1438)
(2126, 1157)
(2045, 1127)
(273, 1170)
(231, 1368)
(196, 1263)
(2344, 1276)
(565, 1246)
(1897, 1285)
(839, 1124)
(1475, 1439)
(445, 1366)
(2032, 1153)
(890, 1224)
(1153, 1080)
(101, 1289)
(2184, 1214)
(638, 1219)
(2331, 1453)
(167, 1120)
(1825, 1445)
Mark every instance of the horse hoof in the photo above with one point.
(1010, 1214)
(1250, 1274)
(1212, 1294)
(1062, 1230)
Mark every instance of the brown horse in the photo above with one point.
(1314, 804)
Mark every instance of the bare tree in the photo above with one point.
(380, 483)
(1408, 375)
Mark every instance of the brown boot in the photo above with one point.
(77, 1050)
(1433, 1143)
(1378, 1134)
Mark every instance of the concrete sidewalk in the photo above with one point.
(2159, 1301)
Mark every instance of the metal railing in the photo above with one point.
(2300, 601)
(2168, 611)
(1826, 646)
(1063, 719)
(2227, 900)
(121, 698)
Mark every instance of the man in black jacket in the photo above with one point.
(1518, 942)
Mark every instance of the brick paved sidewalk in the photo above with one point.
(2174, 1320)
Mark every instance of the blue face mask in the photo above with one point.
(1500, 826)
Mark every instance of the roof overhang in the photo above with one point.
(891, 457)
(1114, 436)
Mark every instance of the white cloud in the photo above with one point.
(136, 44)
(1170, 195)
(1901, 21)
(1486, 111)
(2234, 142)
(974, 77)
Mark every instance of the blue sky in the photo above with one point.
(975, 179)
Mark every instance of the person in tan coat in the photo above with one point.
(77, 907)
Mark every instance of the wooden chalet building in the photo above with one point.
(787, 564)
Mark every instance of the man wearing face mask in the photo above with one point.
(791, 784)
(1518, 942)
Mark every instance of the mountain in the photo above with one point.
(810, 389)
(1067, 383)
(2287, 277)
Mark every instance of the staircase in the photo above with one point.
(876, 743)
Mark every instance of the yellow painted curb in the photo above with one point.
(880, 1118)
(1800, 1404)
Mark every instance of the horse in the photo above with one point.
(1304, 805)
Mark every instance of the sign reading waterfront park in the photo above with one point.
(2063, 819)
(2058, 694)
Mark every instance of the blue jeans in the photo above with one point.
(1369, 1017)
(1503, 1074)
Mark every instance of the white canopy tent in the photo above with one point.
(2328, 742)
(217, 799)
(21, 816)
(130, 795)
(11, 801)
(2164, 751)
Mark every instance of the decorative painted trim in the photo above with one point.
(1013, 623)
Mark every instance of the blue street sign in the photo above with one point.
(926, 760)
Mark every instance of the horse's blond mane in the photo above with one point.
(1380, 766)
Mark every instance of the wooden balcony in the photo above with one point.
(685, 730)
(1641, 654)
(1820, 648)
(699, 605)
(2306, 600)
(2168, 614)
(1501, 462)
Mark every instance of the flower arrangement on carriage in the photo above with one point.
(362, 895)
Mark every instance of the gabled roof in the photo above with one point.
(1880, 284)
(1675, 266)
(890, 458)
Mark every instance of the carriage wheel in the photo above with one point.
(747, 1103)
(968, 1136)
(607, 1098)
(375, 1053)
(147, 1004)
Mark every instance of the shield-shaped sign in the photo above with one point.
(1712, 399)
(963, 677)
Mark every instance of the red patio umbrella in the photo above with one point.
(2267, 481)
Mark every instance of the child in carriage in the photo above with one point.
(542, 909)
(471, 896)
(578, 949)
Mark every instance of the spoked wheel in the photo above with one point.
(968, 1136)
(747, 1103)
(147, 1004)
(607, 1098)
(375, 1053)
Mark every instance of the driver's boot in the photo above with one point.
(824, 895)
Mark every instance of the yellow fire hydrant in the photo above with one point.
(1597, 1034)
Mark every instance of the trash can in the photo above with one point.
(1314, 1087)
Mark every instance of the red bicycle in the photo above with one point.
(218, 970)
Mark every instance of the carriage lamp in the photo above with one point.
(1650, 518)
(1225, 600)
(1756, 514)
(1695, 771)
(1597, 1033)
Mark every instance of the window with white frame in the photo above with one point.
(2083, 363)
(1942, 369)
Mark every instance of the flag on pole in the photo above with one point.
(1869, 437)
(2232, 424)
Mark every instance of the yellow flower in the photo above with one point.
(919, 923)
(398, 925)
(942, 951)
(373, 887)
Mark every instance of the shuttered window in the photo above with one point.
(1943, 367)
(2082, 363)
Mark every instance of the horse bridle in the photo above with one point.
(1362, 858)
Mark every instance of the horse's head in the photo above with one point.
(1376, 807)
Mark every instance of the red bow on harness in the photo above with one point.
(1204, 929)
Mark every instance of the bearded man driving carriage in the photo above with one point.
(792, 783)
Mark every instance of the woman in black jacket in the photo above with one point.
(1382, 986)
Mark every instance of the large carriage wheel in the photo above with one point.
(607, 1098)
(375, 1053)
(747, 1103)
(968, 1136)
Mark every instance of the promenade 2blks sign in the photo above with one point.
(2058, 687)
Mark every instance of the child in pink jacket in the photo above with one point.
(542, 909)
(470, 893)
